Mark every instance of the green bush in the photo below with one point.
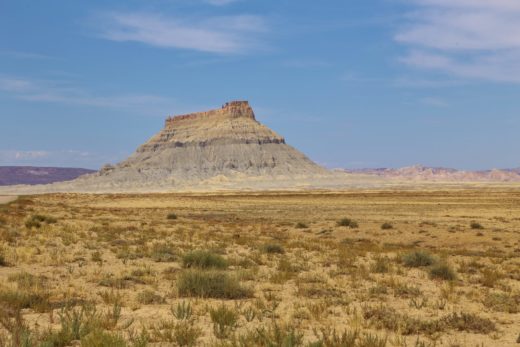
(443, 272)
(185, 334)
(171, 216)
(224, 321)
(3, 262)
(386, 226)
(149, 297)
(100, 338)
(182, 311)
(418, 259)
(347, 222)
(204, 260)
(475, 225)
(301, 225)
(272, 248)
(162, 253)
(37, 220)
(210, 284)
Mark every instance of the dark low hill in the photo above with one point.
(11, 175)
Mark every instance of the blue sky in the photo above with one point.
(351, 83)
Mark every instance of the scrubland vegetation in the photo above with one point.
(362, 269)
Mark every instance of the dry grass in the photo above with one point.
(269, 269)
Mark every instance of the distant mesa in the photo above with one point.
(424, 173)
(12, 175)
(225, 142)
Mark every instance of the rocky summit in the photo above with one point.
(223, 143)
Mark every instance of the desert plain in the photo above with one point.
(416, 267)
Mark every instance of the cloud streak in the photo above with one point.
(217, 34)
(59, 92)
(477, 39)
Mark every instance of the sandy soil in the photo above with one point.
(5, 199)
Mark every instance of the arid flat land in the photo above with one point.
(363, 268)
(4, 199)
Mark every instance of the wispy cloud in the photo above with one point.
(434, 102)
(468, 38)
(63, 92)
(217, 34)
(220, 2)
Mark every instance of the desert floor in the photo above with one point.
(364, 268)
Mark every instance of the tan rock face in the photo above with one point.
(224, 142)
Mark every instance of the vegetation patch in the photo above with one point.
(204, 260)
(210, 284)
(348, 222)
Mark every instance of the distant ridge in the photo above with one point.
(424, 173)
(31, 175)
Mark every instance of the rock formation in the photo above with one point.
(227, 142)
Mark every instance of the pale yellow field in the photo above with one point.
(278, 269)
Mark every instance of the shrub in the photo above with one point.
(204, 260)
(162, 253)
(386, 226)
(489, 277)
(224, 321)
(272, 335)
(171, 216)
(210, 284)
(20, 299)
(475, 225)
(381, 265)
(347, 222)
(185, 334)
(443, 272)
(502, 302)
(273, 249)
(3, 262)
(37, 220)
(100, 338)
(301, 225)
(182, 311)
(149, 297)
(418, 259)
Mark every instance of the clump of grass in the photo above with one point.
(418, 259)
(301, 225)
(476, 225)
(20, 299)
(386, 226)
(273, 248)
(383, 317)
(272, 335)
(182, 311)
(210, 284)
(185, 334)
(162, 253)
(37, 220)
(348, 222)
(171, 216)
(204, 260)
(3, 261)
(381, 265)
(96, 257)
(443, 272)
(489, 277)
(149, 297)
(99, 338)
(502, 302)
(224, 321)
